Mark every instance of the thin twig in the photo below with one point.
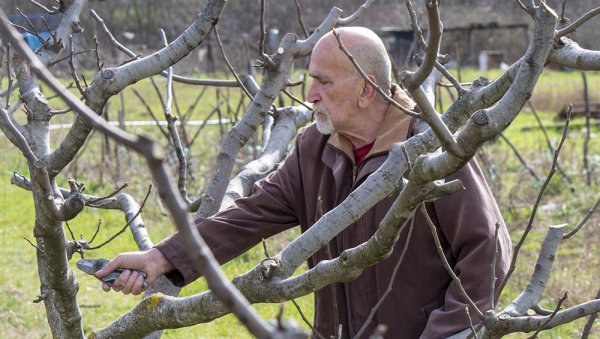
(263, 32)
(406, 62)
(204, 123)
(183, 129)
(577, 23)
(122, 230)
(99, 64)
(35, 32)
(406, 157)
(550, 146)
(522, 5)
(473, 331)
(540, 310)
(11, 128)
(493, 268)
(34, 245)
(8, 73)
(516, 152)
(96, 232)
(299, 11)
(74, 68)
(443, 84)
(70, 230)
(266, 61)
(529, 226)
(190, 110)
(57, 61)
(562, 11)
(44, 8)
(349, 19)
(60, 111)
(115, 192)
(588, 131)
(173, 131)
(158, 90)
(265, 250)
(306, 321)
(585, 219)
(415, 25)
(152, 115)
(230, 66)
(279, 316)
(455, 278)
(590, 323)
(297, 100)
(390, 284)
(457, 84)
(551, 316)
(219, 116)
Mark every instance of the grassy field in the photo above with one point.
(577, 266)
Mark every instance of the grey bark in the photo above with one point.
(479, 113)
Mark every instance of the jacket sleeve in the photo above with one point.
(233, 231)
(468, 219)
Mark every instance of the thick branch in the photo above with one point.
(568, 53)
(505, 325)
(177, 78)
(70, 20)
(577, 23)
(285, 129)
(414, 80)
(532, 294)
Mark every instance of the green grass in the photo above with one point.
(576, 268)
(577, 265)
(21, 318)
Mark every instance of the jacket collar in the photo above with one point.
(394, 127)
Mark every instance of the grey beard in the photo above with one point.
(325, 127)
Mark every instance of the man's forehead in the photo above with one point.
(315, 74)
(317, 68)
(319, 71)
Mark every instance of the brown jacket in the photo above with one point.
(316, 177)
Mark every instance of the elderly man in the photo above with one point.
(355, 127)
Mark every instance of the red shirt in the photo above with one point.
(361, 152)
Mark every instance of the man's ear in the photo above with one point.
(367, 93)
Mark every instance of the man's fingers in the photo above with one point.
(130, 282)
(106, 287)
(121, 281)
(139, 285)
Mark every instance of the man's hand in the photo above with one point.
(151, 262)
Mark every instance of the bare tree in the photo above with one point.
(445, 144)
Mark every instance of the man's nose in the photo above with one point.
(313, 94)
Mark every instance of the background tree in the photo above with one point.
(477, 114)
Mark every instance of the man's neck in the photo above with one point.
(368, 131)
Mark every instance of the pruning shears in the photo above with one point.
(91, 266)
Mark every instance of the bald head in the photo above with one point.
(365, 46)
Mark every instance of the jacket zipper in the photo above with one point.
(356, 168)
